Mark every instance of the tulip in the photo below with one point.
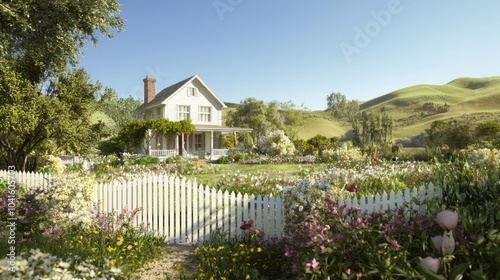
(430, 263)
(437, 242)
(447, 219)
(448, 243)
(352, 188)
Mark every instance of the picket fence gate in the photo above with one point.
(188, 213)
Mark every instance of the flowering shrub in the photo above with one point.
(344, 243)
(276, 143)
(485, 158)
(30, 214)
(51, 164)
(68, 201)
(38, 264)
(248, 257)
(342, 154)
(262, 183)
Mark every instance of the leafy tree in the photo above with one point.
(61, 115)
(372, 129)
(293, 118)
(120, 110)
(255, 114)
(341, 107)
(451, 133)
(43, 97)
(488, 134)
(39, 39)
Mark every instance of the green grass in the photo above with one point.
(273, 170)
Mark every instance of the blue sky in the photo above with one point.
(298, 50)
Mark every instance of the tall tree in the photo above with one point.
(293, 118)
(43, 97)
(255, 114)
(120, 110)
(340, 107)
(456, 135)
(372, 129)
(39, 39)
(61, 115)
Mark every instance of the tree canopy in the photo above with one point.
(43, 96)
(255, 114)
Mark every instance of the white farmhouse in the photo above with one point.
(188, 99)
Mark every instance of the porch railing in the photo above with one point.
(163, 153)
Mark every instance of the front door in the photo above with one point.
(181, 138)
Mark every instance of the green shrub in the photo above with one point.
(224, 160)
(240, 156)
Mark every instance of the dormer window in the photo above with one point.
(192, 91)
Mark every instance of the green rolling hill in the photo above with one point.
(469, 99)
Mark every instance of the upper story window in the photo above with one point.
(204, 113)
(159, 113)
(192, 91)
(182, 112)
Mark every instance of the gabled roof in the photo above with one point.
(168, 92)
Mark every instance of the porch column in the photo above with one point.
(177, 143)
(211, 143)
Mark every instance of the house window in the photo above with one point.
(182, 112)
(158, 113)
(204, 113)
(198, 141)
(192, 91)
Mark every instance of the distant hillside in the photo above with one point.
(465, 97)
(472, 99)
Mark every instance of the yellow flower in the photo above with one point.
(94, 250)
(119, 240)
(259, 249)
(247, 277)
(110, 249)
(129, 247)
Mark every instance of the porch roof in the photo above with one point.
(199, 127)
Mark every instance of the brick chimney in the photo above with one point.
(149, 89)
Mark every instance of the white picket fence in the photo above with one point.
(187, 213)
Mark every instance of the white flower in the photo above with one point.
(448, 243)
(64, 264)
(430, 263)
(437, 241)
(447, 219)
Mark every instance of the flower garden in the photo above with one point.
(60, 235)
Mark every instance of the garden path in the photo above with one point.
(167, 267)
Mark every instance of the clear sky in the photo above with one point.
(298, 50)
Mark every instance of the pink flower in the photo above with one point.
(430, 263)
(352, 188)
(247, 225)
(447, 219)
(314, 264)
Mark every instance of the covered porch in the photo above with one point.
(204, 143)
